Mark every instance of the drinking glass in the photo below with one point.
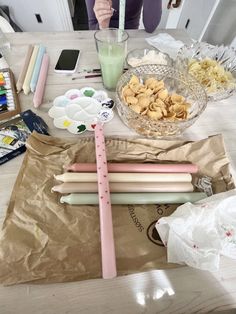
(111, 45)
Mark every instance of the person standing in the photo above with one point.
(105, 13)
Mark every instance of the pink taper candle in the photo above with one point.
(40, 87)
(106, 226)
(135, 167)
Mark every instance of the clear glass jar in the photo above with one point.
(4, 44)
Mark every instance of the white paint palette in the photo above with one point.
(78, 110)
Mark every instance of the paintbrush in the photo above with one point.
(86, 76)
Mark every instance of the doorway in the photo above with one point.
(80, 17)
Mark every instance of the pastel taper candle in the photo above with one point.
(28, 76)
(134, 198)
(37, 68)
(127, 187)
(106, 226)
(125, 177)
(39, 92)
(134, 167)
(24, 69)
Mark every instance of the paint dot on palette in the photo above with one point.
(66, 123)
(108, 103)
(81, 128)
(88, 93)
(105, 115)
(73, 96)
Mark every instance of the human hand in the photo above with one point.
(176, 5)
(103, 12)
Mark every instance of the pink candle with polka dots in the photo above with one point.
(106, 226)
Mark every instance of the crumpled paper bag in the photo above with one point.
(45, 241)
(166, 43)
(197, 234)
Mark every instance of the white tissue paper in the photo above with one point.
(197, 234)
(165, 43)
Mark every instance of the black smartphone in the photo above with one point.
(67, 61)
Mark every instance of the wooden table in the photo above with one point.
(182, 290)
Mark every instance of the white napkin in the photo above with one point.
(165, 43)
(197, 234)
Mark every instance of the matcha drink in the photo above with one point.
(111, 44)
(111, 58)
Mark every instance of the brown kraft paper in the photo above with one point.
(43, 241)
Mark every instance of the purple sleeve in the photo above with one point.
(152, 10)
(92, 21)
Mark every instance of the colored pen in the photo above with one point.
(3, 101)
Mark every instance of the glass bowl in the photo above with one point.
(176, 82)
(225, 57)
(145, 56)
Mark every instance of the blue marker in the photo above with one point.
(3, 100)
(37, 67)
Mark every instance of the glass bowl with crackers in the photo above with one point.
(213, 66)
(158, 101)
(137, 57)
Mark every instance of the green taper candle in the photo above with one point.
(134, 198)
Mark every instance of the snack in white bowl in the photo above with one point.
(145, 56)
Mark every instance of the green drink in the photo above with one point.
(111, 59)
(111, 44)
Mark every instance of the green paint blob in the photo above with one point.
(88, 93)
(81, 128)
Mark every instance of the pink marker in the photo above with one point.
(132, 167)
(40, 87)
(106, 226)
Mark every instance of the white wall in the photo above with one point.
(164, 15)
(197, 11)
(55, 14)
(222, 28)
